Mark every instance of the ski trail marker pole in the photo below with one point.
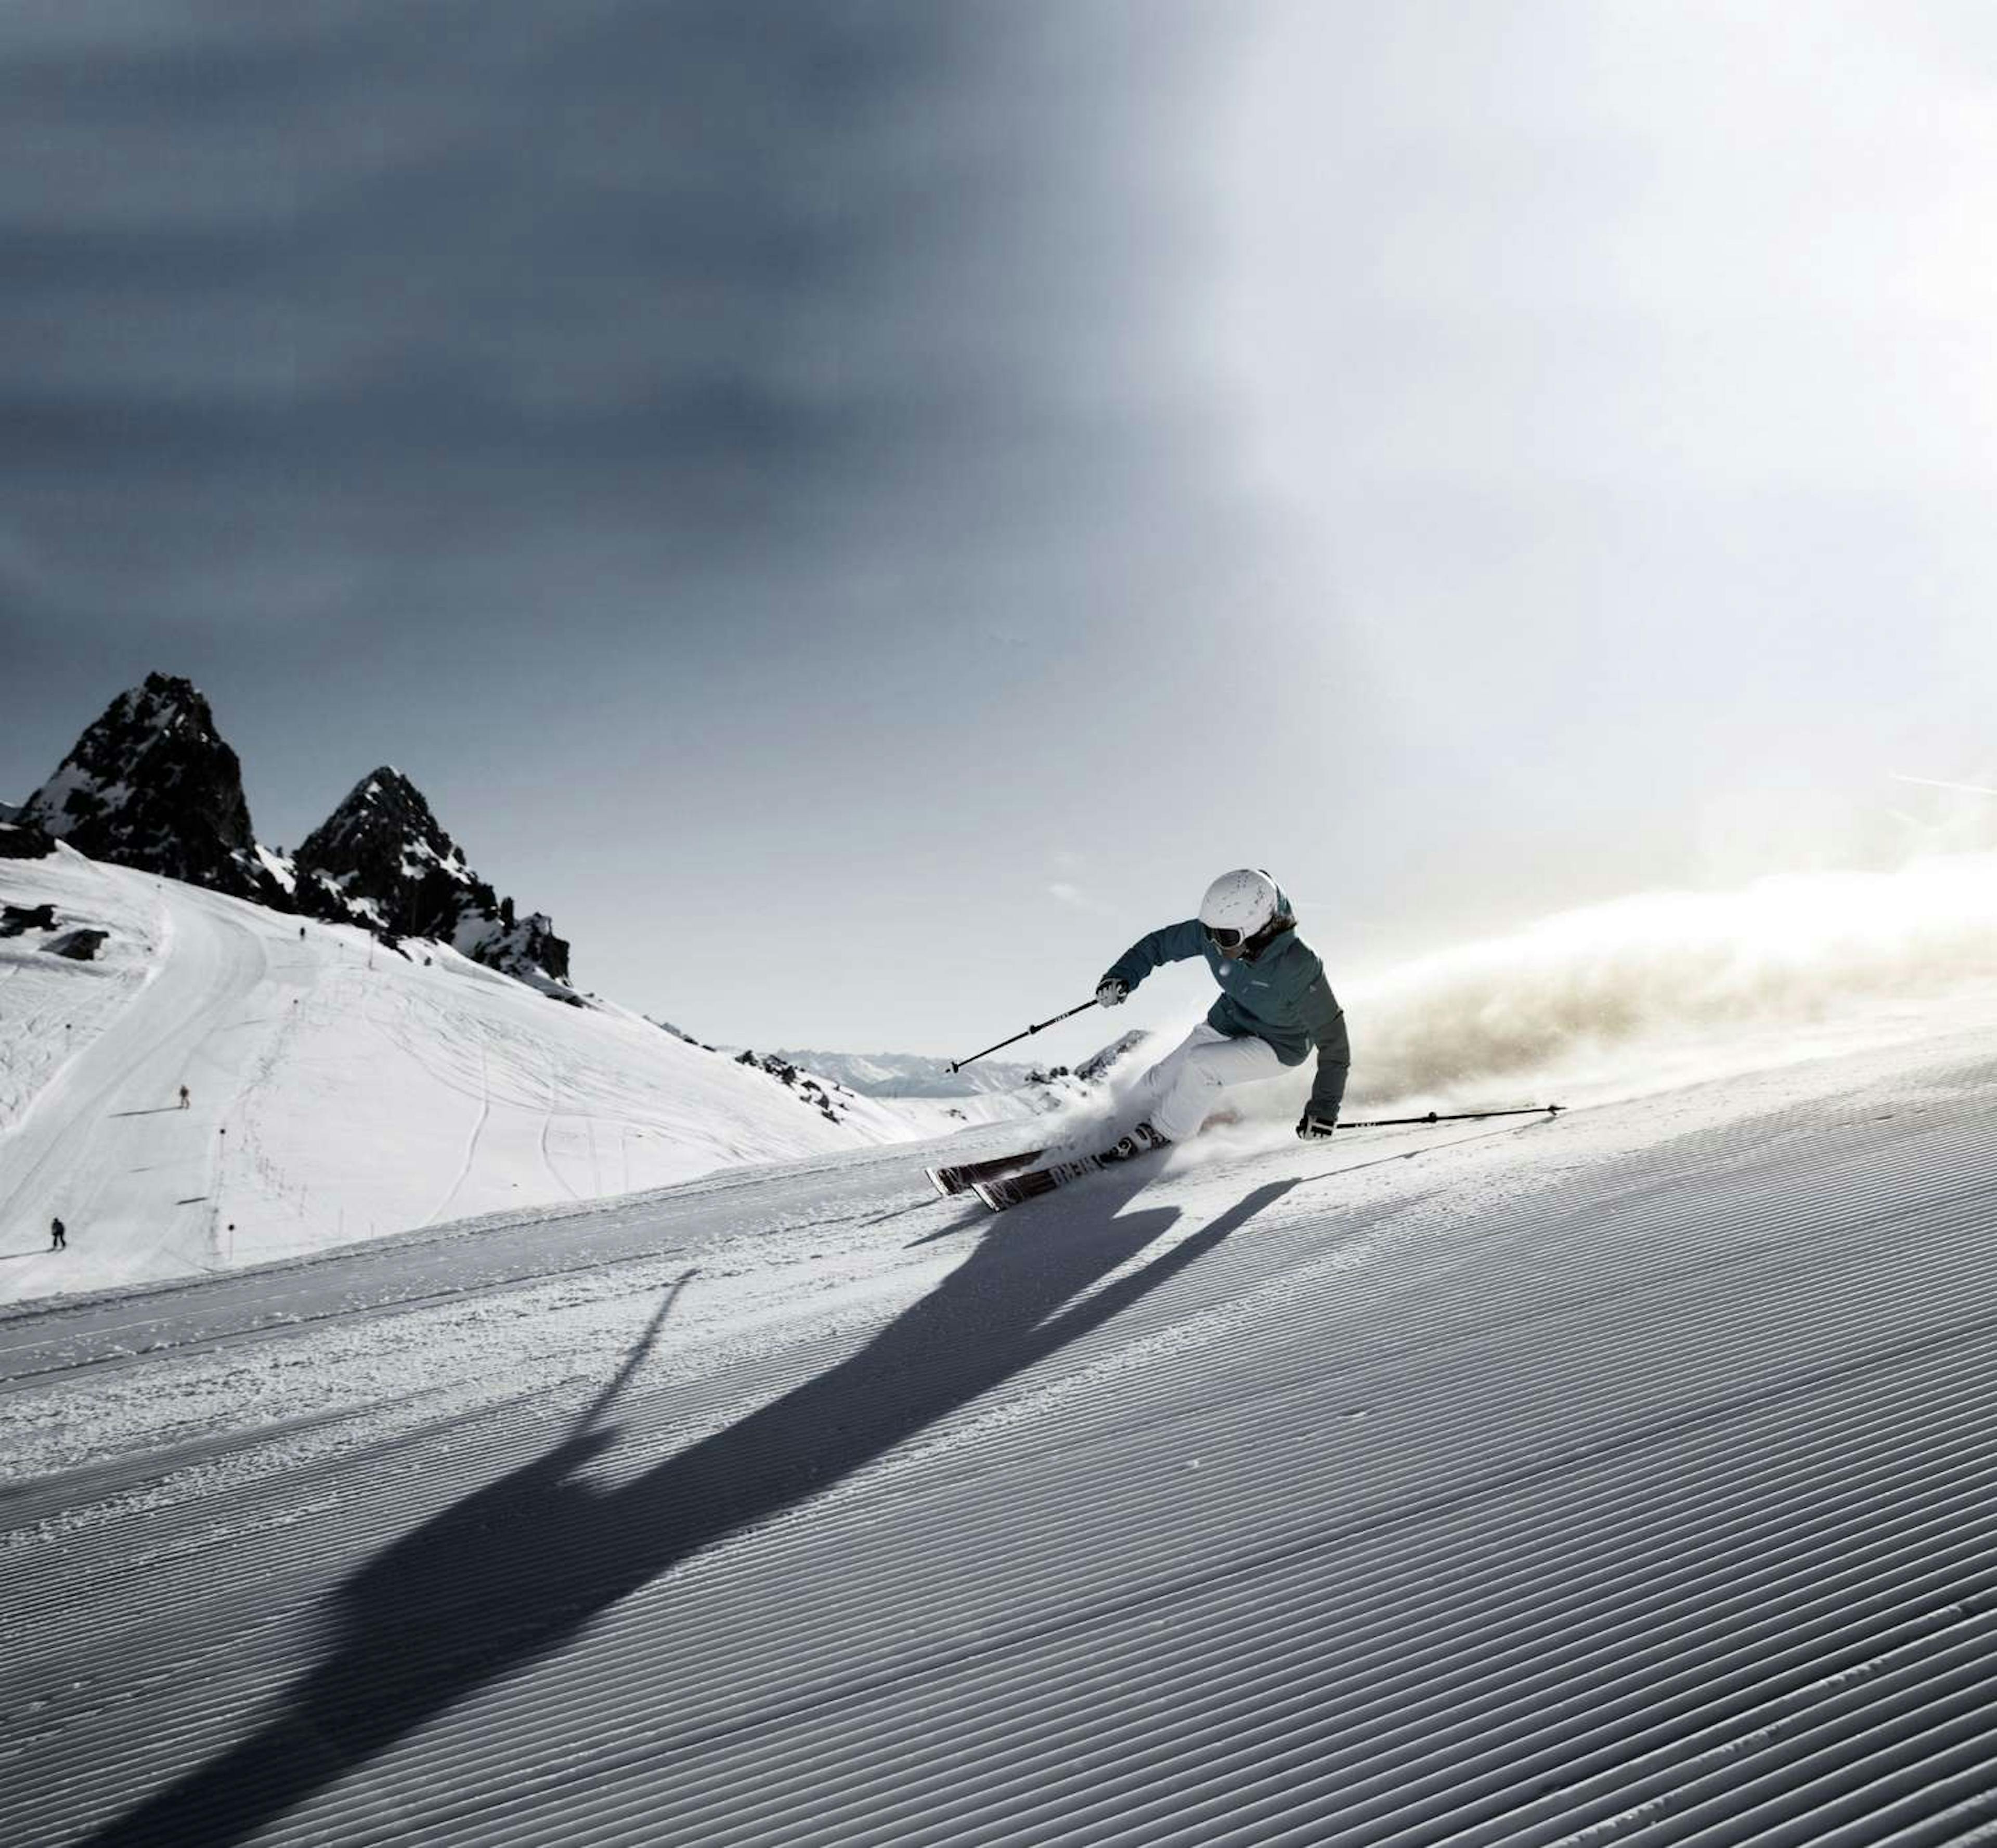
(1016, 1038)
(1462, 1116)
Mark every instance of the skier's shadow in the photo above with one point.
(517, 1567)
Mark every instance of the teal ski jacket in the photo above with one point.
(1279, 996)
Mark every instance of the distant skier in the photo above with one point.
(185, 1100)
(58, 1236)
(1275, 1006)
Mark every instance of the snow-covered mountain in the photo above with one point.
(151, 785)
(360, 1026)
(381, 859)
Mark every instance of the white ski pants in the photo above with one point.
(1178, 1091)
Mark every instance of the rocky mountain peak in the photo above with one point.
(151, 784)
(383, 859)
(384, 834)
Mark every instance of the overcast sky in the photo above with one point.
(860, 510)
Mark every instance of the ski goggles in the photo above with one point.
(1224, 938)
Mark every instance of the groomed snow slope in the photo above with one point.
(1628, 1476)
(339, 1090)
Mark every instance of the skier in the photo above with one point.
(184, 1097)
(58, 1237)
(1275, 1006)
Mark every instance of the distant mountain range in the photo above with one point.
(911, 1075)
(907, 1074)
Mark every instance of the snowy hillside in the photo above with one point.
(338, 1090)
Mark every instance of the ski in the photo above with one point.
(1009, 1190)
(998, 1189)
(961, 1179)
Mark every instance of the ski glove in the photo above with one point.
(1312, 1127)
(1110, 991)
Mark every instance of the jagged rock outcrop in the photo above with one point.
(16, 920)
(381, 859)
(151, 785)
(1098, 1066)
(680, 1033)
(802, 1085)
(23, 840)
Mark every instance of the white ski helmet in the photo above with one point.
(1240, 906)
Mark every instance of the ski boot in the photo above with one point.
(1140, 1141)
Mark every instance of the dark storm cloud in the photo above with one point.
(345, 292)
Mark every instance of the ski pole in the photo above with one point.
(1462, 1116)
(1056, 1021)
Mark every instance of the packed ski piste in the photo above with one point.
(1275, 1008)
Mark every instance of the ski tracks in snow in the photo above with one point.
(464, 1167)
(547, 1127)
